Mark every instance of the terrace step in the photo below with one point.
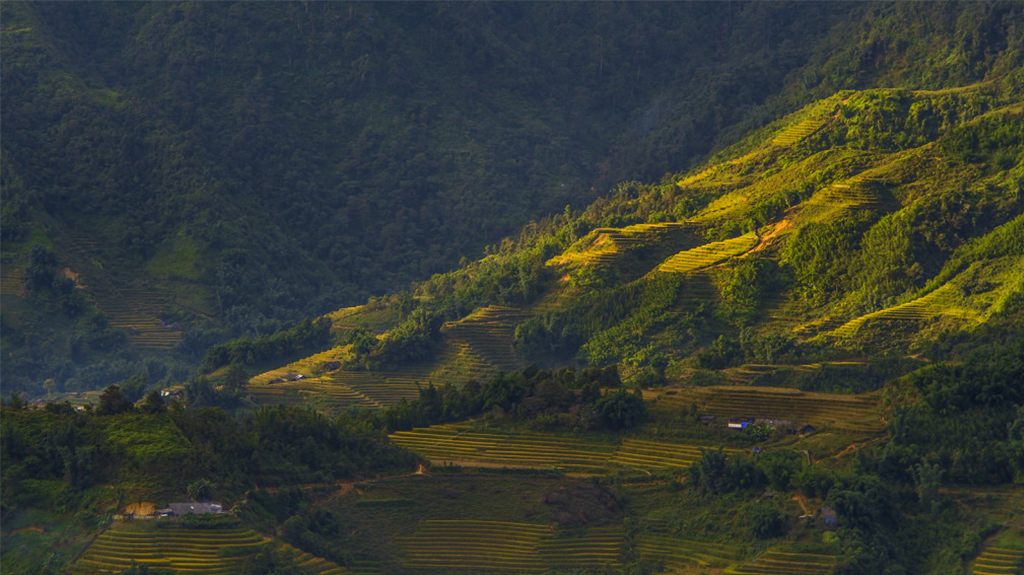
(708, 254)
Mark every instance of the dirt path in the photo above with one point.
(855, 446)
(802, 501)
(784, 224)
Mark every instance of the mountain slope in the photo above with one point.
(231, 168)
(870, 222)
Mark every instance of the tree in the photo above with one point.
(927, 478)
(113, 402)
(40, 272)
(235, 378)
(709, 472)
(201, 488)
(154, 403)
(622, 409)
(134, 387)
(199, 393)
(504, 390)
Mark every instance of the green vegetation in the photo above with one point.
(198, 192)
(789, 341)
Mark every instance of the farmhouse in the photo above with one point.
(740, 422)
(332, 365)
(827, 518)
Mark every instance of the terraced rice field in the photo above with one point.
(505, 546)
(817, 326)
(135, 311)
(597, 548)
(191, 551)
(656, 455)
(464, 444)
(307, 366)
(782, 563)
(341, 389)
(725, 206)
(489, 334)
(467, 445)
(12, 281)
(853, 412)
(329, 394)
(379, 320)
(708, 254)
(464, 365)
(797, 132)
(997, 561)
(309, 563)
(848, 194)
(607, 244)
(942, 301)
(678, 553)
(834, 201)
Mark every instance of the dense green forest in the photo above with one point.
(417, 288)
(232, 168)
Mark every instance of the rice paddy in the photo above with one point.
(784, 563)
(310, 563)
(12, 281)
(136, 311)
(999, 561)
(851, 412)
(643, 454)
(603, 246)
(468, 446)
(333, 391)
(940, 302)
(678, 553)
(708, 254)
(797, 132)
(488, 333)
(508, 546)
(192, 551)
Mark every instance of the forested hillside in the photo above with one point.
(224, 169)
(324, 253)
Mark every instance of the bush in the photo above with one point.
(765, 521)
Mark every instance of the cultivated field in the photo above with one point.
(708, 254)
(998, 561)
(468, 446)
(332, 391)
(603, 246)
(309, 563)
(677, 553)
(507, 546)
(942, 301)
(192, 551)
(643, 454)
(12, 281)
(799, 131)
(488, 333)
(783, 563)
(853, 412)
